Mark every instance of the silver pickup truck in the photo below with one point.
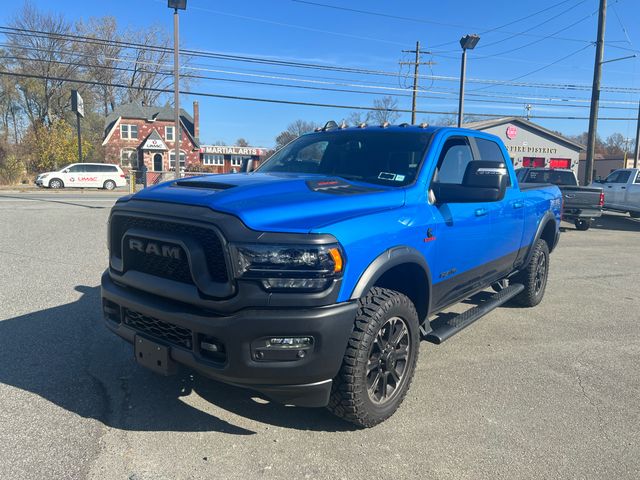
(622, 191)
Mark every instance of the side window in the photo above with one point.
(612, 178)
(638, 178)
(77, 169)
(454, 158)
(491, 152)
(623, 177)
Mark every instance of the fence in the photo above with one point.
(139, 179)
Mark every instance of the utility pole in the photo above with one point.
(636, 153)
(416, 65)
(595, 94)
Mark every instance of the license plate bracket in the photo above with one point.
(154, 356)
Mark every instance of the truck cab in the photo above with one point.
(622, 191)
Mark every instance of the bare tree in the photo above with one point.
(241, 142)
(152, 66)
(358, 117)
(385, 110)
(48, 56)
(102, 60)
(293, 131)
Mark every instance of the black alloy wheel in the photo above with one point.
(389, 356)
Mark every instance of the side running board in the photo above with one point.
(463, 320)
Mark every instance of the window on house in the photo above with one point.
(172, 159)
(129, 158)
(213, 159)
(128, 132)
(236, 160)
(169, 133)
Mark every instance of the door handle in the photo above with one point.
(623, 188)
(609, 186)
(518, 204)
(481, 212)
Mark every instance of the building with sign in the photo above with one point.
(137, 134)
(530, 145)
(225, 159)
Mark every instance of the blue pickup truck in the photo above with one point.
(314, 278)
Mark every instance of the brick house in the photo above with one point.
(136, 134)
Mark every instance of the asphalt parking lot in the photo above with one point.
(549, 392)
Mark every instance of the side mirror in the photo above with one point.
(66, 170)
(483, 181)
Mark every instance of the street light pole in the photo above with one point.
(176, 5)
(463, 69)
(176, 91)
(636, 152)
(468, 42)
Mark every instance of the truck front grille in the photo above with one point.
(174, 269)
(172, 334)
(165, 267)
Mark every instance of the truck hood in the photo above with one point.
(279, 201)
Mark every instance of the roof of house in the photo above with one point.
(484, 124)
(136, 110)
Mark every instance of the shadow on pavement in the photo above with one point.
(67, 356)
(622, 223)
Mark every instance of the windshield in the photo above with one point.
(381, 157)
(556, 177)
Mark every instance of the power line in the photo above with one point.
(200, 53)
(539, 69)
(421, 93)
(433, 22)
(285, 102)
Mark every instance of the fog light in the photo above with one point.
(290, 342)
(295, 283)
(282, 349)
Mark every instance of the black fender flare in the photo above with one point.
(386, 261)
(544, 221)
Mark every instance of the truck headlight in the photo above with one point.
(289, 267)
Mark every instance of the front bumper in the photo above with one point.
(302, 381)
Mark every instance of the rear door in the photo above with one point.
(463, 230)
(507, 215)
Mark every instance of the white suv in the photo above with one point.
(84, 175)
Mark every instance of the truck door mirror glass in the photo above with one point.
(483, 181)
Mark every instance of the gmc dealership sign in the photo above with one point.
(224, 150)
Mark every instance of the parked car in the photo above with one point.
(622, 191)
(580, 204)
(313, 278)
(84, 175)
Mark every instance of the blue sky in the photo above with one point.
(301, 32)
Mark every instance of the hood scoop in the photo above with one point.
(203, 184)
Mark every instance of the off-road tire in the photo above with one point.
(56, 183)
(109, 185)
(582, 225)
(350, 397)
(534, 285)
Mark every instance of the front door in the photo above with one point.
(615, 187)
(157, 162)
